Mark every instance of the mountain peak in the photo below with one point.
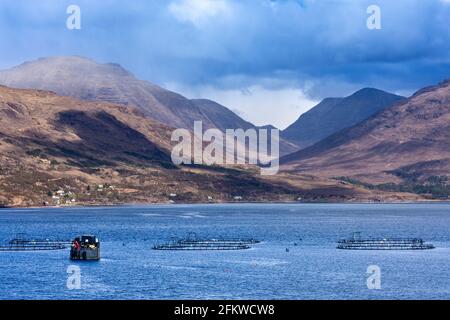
(83, 78)
(58, 59)
(335, 114)
(411, 137)
(365, 93)
(68, 65)
(369, 90)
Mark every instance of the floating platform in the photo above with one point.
(220, 241)
(192, 243)
(357, 243)
(39, 242)
(31, 247)
(199, 247)
(22, 244)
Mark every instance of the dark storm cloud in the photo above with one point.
(322, 45)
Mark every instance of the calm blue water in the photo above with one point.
(312, 270)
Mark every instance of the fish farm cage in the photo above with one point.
(22, 244)
(192, 243)
(358, 243)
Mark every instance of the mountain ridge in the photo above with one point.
(85, 79)
(403, 142)
(98, 153)
(335, 114)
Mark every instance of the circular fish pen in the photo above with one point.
(31, 247)
(192, 243)
(44, 242)
(358, 243)
(21, 244)
(199, 247)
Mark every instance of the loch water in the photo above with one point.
(297, 258)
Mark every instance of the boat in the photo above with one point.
(358, 243)
(86, 247)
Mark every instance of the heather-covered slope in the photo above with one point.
(406, 143)
(103, 153)
(85, 79)
(223, 119)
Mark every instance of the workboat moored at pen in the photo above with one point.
(85, 248)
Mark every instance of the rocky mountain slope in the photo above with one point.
(223, 119)
(335, 114)
(85, 79)
(59, 150)
(405, 146)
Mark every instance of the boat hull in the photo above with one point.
(85, 254)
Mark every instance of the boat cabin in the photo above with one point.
(86, 247)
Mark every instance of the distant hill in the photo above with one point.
(407, 144)
(334, 114)
(223, 118)
(115, 134)
(50, 143)
(85, 79)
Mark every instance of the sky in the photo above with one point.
(267, 60)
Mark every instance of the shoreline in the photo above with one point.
(148, 204)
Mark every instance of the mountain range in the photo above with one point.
(405, 146)
(85, 79)
(103, 153)
(335, 114)
(71, 123)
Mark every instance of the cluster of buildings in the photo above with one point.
(61, 197)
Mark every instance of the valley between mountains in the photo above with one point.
(75, 132)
